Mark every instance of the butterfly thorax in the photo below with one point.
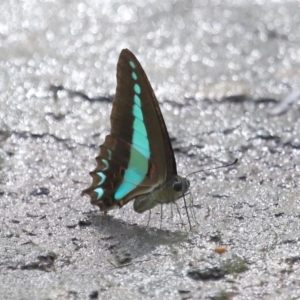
(168, 192)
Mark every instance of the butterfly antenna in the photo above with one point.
(215, 168)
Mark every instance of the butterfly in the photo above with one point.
(136, 160)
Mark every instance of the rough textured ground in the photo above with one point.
(219, 72)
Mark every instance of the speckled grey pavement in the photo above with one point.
(218, 70)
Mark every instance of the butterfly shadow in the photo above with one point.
(128, 242)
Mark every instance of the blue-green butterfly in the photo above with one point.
(136, 160)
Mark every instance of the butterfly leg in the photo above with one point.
(161, 215)
(172, 211)
(178, 210)
(192, 208)
(149, 218)
(187, 212)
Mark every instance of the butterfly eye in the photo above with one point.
(177, 186)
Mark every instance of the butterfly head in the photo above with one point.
(181, 185)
